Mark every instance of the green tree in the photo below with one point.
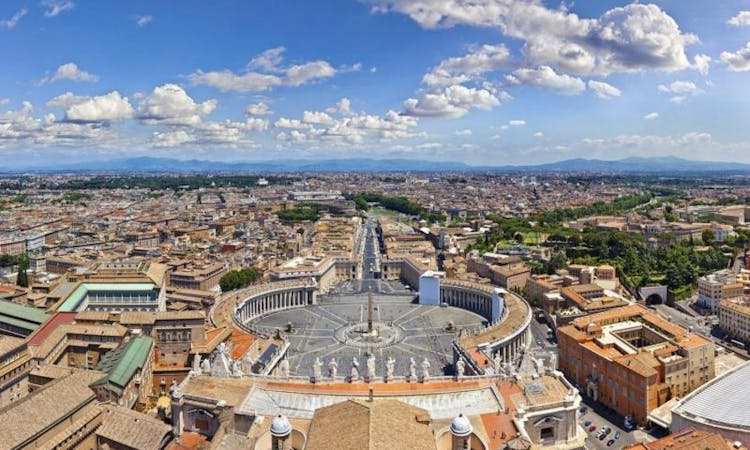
(708, 236)
(22, 278)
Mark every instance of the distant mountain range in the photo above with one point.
(666, 165)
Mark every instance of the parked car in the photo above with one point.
(602, 436)
(587, 423)
(592, 428)
(617, 435)
(610, 442)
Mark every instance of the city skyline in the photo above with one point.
(487, 82)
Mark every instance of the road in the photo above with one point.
(697, 324)
(370, 251)
(600, 416)
(702, 326)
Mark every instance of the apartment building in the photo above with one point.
(204, 277)
(718, 286)
(734, 317)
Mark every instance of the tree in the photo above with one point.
(708, 236)
(237, 279)
(22, 279)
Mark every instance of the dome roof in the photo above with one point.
(460, 426)
(280, 426)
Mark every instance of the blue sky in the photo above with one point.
(481, 81)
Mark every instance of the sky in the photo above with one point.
(484, 82)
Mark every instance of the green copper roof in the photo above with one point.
(20, 312)
(122, 363)
(73, 302)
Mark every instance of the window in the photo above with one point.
(547, 433)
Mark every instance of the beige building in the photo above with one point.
(63, 413)
(15, 364)
(734, 317)
(718, 286)
(203, 277)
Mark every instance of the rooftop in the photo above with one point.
(118, 424)
(122, 363)
(377, 425)
(702, 403)
(45, 407)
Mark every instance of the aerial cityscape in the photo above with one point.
(374, 224)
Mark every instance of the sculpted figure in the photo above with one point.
(390, 365)
(460, 368)
(412, 369)
(284, 368)
(425, 369)
(355, 369)
(371, 367)
(333, 367)
(316, 368)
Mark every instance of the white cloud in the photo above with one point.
(464, 132)
(258, 109)
(429, 146)
(4, 101)
(71, 71)
(172, 138)
(19, 128)
(171, 105)
(651, 116)
(256, 124)
(632, 38)
(293, 124)
(545, 77)
(107, 108)
(317, 117)
(702, 64)
(269, 60)
(604, 90)
(457, 70)
(66, 100)
(13, 20)
(344, 106)
(318, 127)
(52, 8)
(538, 135)
(293, 135)
(226, 133)
(681, 90)
(653, 141)
(738, 61)
(305, 73)
(452, 101)
(516, 123)
(265, 72)
(742, 19)
(142, 21)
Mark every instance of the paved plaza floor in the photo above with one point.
(337, 328)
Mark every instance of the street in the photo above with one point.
(600, 416)
(700, 325)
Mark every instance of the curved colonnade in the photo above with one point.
(503, 340)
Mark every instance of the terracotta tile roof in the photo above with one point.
(45, 407)
(241, 343)
(118, 424)
(377, 425)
